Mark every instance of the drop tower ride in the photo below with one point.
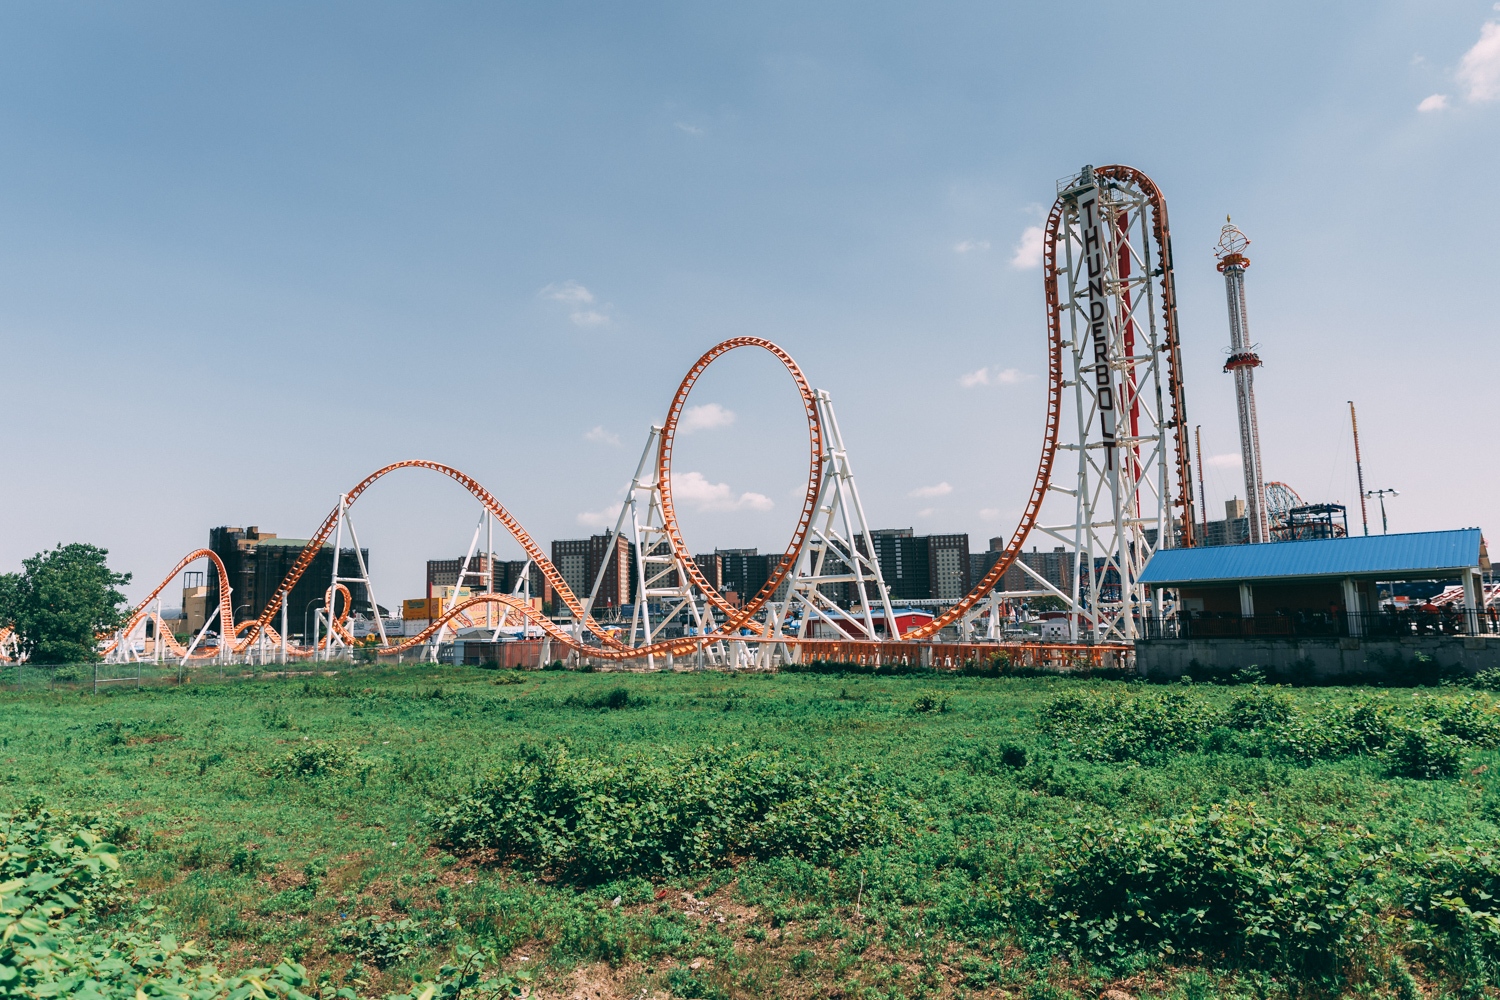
(1243, 361)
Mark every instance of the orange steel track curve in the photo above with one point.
(612, 647)
(226, 612)
(736, 619)
(741, 618)
(1055, 389)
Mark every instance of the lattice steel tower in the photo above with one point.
(1243, 361)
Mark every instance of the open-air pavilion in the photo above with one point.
(1322, 586)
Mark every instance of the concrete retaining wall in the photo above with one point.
(1317, 659)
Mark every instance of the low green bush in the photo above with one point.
(1259, 708)
(1454, 900)
(1226, 886)
(1362, 727)
(1423, 751)
(1472, 719)
(67, 858)
(314, 758)
(1425, 738)
(58, 879)
(1118, 727)
(382, 943)
(613, 699)
(1486, 680)
(596, 820)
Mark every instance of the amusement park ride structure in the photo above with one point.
(1243, 361)
(1109, 281)
(1112, 339)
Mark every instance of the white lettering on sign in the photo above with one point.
(1098, 308)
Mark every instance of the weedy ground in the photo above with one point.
(798, 835)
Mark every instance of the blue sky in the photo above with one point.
(250, 252)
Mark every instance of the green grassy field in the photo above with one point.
(706, 835)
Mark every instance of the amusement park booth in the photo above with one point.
(1314, 604)
(849, 624)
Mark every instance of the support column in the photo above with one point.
(1247, 609)
(1352, 609)
(1473, 601)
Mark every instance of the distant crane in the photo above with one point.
(1359, 471)
(1243, 361)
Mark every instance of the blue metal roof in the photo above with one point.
(1436, 552)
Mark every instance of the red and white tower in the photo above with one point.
(1243, 361)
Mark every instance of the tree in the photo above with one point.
(61, 600)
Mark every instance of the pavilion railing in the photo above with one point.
(1450, 620)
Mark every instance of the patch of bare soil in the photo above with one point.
(599, 982)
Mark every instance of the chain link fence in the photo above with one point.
(98, 677)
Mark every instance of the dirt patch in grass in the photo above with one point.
(599, 981)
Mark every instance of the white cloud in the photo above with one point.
(601, 436)
(689, 129)
(568, 292)
(989, 513)
(968, 245)
(1437, 102)
(599, 518)
(925, 512)
(992, 376)
(692, 489)
(704, 418)
(1029, 251)
(1479, 69)
(575, 296)
(588, 317)
(939, 490)
(1224, 461)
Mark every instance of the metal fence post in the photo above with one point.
(96, 678)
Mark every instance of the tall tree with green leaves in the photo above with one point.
(61, 600)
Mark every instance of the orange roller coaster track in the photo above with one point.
(740, 619)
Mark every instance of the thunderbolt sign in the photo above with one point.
(1093, 256)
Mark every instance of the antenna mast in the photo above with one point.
(1243, 361)
(1202, 489)
(1359, 471)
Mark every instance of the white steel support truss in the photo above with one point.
(521, 589)
(839, 553)
(485, 578)
(986, 620)
(346, 524)
(1122, 502)
(660, 578)
(125, 642)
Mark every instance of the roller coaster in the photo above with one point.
(1112, 340)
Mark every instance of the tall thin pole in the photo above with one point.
(1385, 525)
(1359, 471)
(1202, 489)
